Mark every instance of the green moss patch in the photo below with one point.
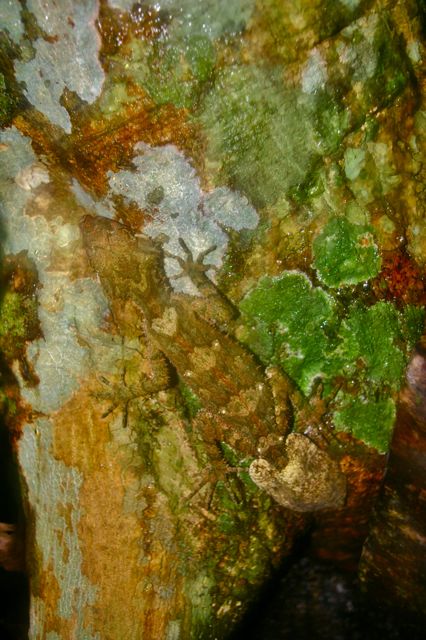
(367, 419)
(364, 353)
(370, 342)
(259, 134)
(286, 321)
(18, 319)
(345, 253)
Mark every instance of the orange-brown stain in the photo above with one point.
(121, 556)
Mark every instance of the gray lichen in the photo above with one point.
(58, 358)
(69, 59)
(166, 185)
(10, 19)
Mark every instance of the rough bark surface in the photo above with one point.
(212, 225)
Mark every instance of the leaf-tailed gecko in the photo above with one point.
(231, 385)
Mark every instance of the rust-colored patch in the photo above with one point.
(400, 279)
(97, 145)
(49, 593)
(118, 27)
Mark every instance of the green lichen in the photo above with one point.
(289, 322)
(367, 419)
(173, 72)
(18, 315)
(370, 345)
(259, 134)
(345, 253)
(286, 320)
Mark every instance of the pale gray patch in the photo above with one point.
(166, 185)
(54, 487)
(164, 167)
(13, 160)
(70, 61)
(32, 176)
(123, 5)
(68, 311)
(18, 154)
(10, 19)
(44, 82)
(314, 73)
(104, 208)
(231, 209)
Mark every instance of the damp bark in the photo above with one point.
(212, 284)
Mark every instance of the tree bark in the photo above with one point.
(213, 278)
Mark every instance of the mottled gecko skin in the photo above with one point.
(225, 376)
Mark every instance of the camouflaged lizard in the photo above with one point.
(238, 399)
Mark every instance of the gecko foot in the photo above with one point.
(190, 267)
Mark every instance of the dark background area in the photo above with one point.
(14, 593)
(309, 599)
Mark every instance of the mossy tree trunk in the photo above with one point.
(214, 250)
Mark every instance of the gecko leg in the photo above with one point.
(218, 469)
(122, 395)
(211, 478)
